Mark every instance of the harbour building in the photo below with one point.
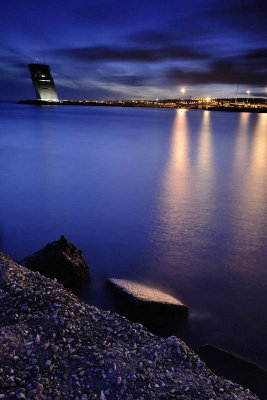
(43, 82)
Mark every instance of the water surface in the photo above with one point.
(171, 198)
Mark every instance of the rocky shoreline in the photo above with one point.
(52, 346)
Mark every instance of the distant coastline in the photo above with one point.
(187, 104)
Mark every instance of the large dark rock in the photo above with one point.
(145, 304)
(237, 369)
(61, 260)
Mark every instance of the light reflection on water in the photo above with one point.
(210, 234)
(176, 177)
(258, 162)
(186, 200)
(205, 150)
(176, 199)
(249, 179)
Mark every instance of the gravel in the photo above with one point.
(52, 346)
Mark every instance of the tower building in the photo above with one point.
(43, 82)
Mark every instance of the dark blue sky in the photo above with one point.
(135, 49)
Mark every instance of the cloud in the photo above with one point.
(243, 16)
(159, 67)
(259, 94)
(259, 55)
(253, 61)
(123, 54)
(221, 72)
(127, 80)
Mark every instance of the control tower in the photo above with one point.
(43, 82)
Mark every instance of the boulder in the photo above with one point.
(235, 368)
(146, 304)
(61, 260)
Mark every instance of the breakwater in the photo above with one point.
(145, 104)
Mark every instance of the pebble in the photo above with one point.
(102, 395)
(57, 348)
(119, 380)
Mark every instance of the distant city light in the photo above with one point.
(208, 99)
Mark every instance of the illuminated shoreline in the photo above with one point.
(214, 105)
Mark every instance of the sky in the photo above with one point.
(134, 49)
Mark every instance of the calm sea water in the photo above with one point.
(176, 199)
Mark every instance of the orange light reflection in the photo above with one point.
(176, 177)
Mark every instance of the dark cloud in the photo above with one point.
(246, 69)
(128, 80)
(253, 61)
(259, 54)
(122, 54)
(259, 94)
(221, 72)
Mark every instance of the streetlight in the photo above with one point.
(248, 93)
(208, 99)
(183, 92)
